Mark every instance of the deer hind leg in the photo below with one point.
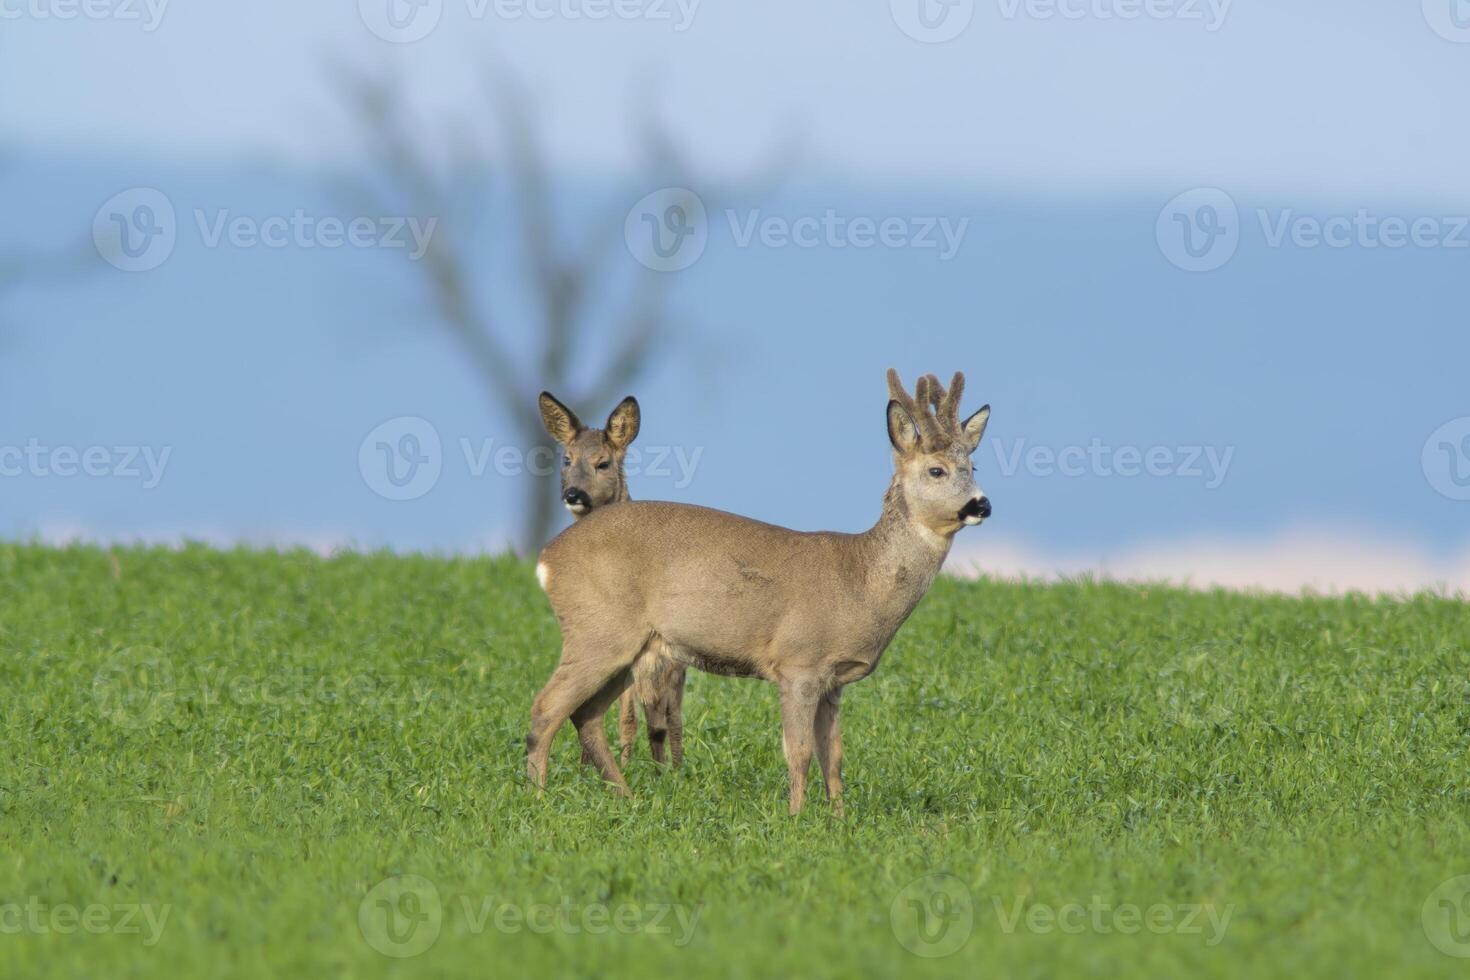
(657, 720)
(660, 682)
(585, 673)
(588, 718)
(675, 714)
(829, 746)
(627, 726)
(799, 699)
(648, 676)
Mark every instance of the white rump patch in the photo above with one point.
(543, 574)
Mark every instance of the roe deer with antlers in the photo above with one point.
(592, 476)
(810, 612)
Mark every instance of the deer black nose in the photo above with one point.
(576, 498)
(984, 506)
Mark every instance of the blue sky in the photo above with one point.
(1310, 97)
(1301, 376)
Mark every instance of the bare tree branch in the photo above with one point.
(572, 285)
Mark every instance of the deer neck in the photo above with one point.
(903, 557)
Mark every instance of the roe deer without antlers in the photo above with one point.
(810, 612)
(592, 476)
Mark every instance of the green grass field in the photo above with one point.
(276, 764)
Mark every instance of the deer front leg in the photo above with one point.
(829, 745)
(799, 699)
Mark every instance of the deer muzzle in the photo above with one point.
(577, 501)
(975, 510)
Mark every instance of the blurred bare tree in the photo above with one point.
(572, 281)
(30, 264)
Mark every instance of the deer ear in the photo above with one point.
(902, 431)
(975, 428)
(623, 423)
(561, 422)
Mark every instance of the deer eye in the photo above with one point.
(603, 465)
(936, 472)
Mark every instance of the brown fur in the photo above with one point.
(810, 612)
(657, 681)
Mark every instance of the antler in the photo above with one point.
(947, 403)
(927, 392)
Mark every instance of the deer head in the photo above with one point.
(592, 459)
(933, 477)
